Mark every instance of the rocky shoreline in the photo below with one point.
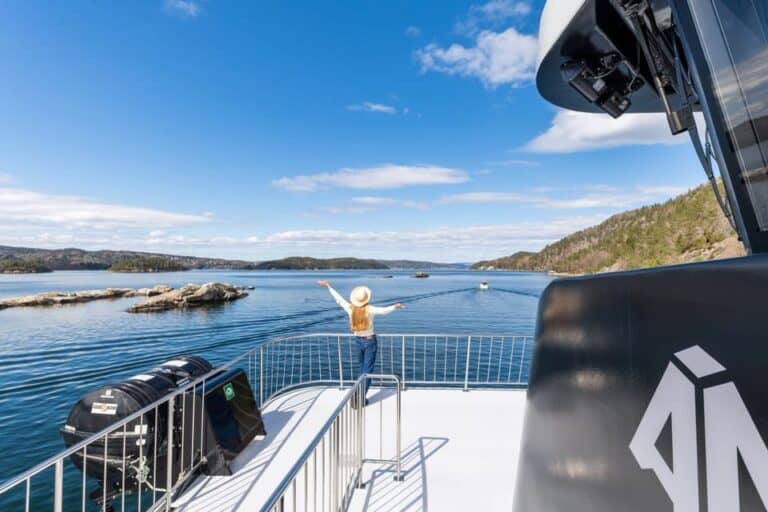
(159, 298)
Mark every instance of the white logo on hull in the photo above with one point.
(729, 431)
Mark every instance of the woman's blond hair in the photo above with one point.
(359, 319)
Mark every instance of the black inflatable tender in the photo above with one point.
(603, 345)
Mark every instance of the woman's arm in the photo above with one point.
(378, 310)
(341, 301)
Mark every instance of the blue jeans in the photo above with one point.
(367, 357)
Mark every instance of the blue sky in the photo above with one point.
(258, 130)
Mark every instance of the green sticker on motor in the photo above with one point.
(229, 391)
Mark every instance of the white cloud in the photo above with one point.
(492, 13)
(376, 201)
(496, 58)
(599, 197)
(24, 206)
(184, 8)
(380, 177)
(6, 179)
(413, 31)
(442, 244)
(579, 131)
(368, 106)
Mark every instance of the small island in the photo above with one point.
(306, 263)
(147, 264)
(17, 266)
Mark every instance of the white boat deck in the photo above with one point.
(460, 452)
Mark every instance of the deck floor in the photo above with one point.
(460, 452)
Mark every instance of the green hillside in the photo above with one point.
(147, 264)
(688, 228)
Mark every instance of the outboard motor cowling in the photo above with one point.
(140, 447)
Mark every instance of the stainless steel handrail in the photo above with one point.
(279, 365)
(350, 437)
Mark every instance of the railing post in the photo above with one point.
(398, 455)
(169, 471)
(341, 367)
(402, 368)
(261, 376)
(466, 367)
(58, 487)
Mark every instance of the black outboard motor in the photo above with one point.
(142, 445)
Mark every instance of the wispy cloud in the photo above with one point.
(413, 31)
(496, 58)
(493, 13)
(368, 106)
(6, 179)
(183, 8)
(597, 197)
(390, 201)
(33, 208)
(384, 176)
(579, 131)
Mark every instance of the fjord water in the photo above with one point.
(49, 357)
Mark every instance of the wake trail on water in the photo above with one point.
(155, 344)
(518, 292)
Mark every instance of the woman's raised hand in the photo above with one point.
(324, 283)
(399, 306)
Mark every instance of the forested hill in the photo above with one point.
(688, 228)
(78, 259)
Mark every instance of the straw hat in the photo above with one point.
(360, 296)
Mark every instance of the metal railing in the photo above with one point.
(328, 471)
(123, 464)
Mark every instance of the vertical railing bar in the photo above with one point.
(402, 369)
(322, 472)
(314, 479)
(194, 423)
(122, 485)
(183, 421)
(261, 377)
(424, 369)
(293, 492)
(58, 486)
(104, 476)
(169, 471)
(306, 486)
(26, 495)
(466, 366)
(341, 370)
(202, 418)
(511, 360)
(141, 459)
(85, 463)
(154, 457)
(398, 447)
(522, 360)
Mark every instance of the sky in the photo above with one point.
(258, 130)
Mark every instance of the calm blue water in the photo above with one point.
(51, 356)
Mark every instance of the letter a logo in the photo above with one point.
(729, 433)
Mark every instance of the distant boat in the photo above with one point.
(484, 285)
(421, 275)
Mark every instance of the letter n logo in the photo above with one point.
(729, 431)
